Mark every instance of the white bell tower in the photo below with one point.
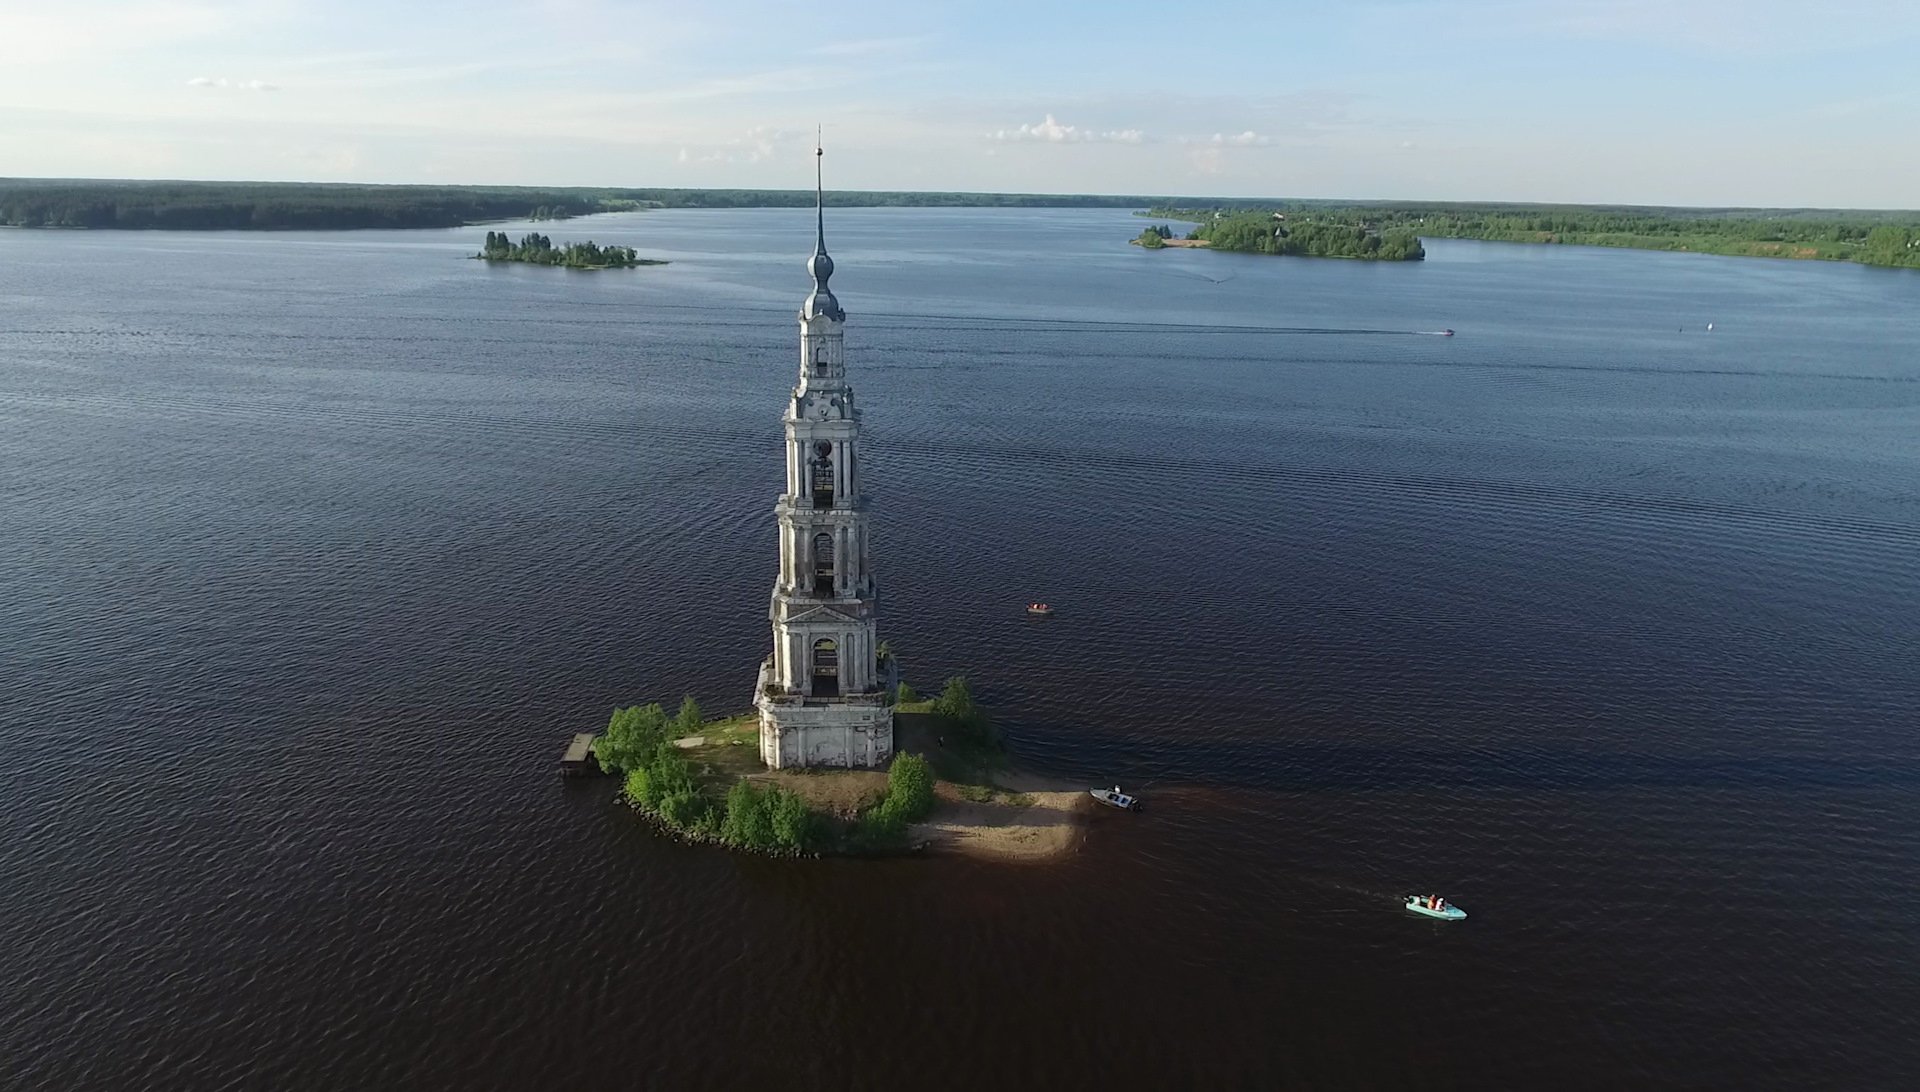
(824, 697)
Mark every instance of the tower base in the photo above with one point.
(825, 733)
(853, 732)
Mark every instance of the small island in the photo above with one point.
(1158, 236)
(537, 249)
(1306, 236)
(949, 786)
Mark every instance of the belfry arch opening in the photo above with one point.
(826, 668)
(823, 570)
(823, 474)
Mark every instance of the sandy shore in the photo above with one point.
(1028, 819)
(1033, 820)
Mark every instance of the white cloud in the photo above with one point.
(1244, 139)
(1049, 131)
(221, 83)
(760, 143)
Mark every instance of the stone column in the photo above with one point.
(853, 560)
(840, 560)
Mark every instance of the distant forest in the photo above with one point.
(280, 206)
(1873, 238)
(1867, 237)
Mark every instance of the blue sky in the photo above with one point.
(1701, 102)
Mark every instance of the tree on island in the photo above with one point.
(689, 719)
(1155, 236)
(659, 779)
(909, 788)
(632, 737)
(956, 704)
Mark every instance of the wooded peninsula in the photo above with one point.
(1869, 237)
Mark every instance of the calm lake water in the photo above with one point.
(316, 548)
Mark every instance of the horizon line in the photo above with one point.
(1146, 197)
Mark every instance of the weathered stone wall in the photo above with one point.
(841, 734)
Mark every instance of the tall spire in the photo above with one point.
(819, 193)
(820, 301)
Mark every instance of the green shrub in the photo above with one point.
(909, 789)
(689, 720)
(970, 723)
(684, 809)
(878, 828)
(794, 824)
(707, 823)
(956, 700)
(747, 825)
(633, 734)
(904, 694)
(669, 774)
(639, 785)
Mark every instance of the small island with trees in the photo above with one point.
(949, 785)
(1263, 232)
(537, 249)
(1160, 236)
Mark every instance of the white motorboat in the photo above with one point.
(1116, 798)
(1433, 906)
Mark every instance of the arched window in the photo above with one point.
(823, 474)
(826, 668)
(823, 564)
